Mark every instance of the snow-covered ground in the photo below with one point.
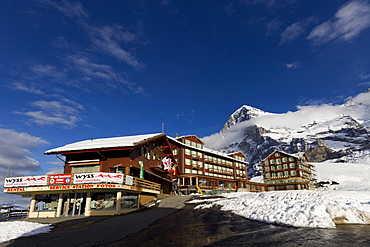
(346, 202)
(15, 229)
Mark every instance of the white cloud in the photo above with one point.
(93, 71)
(108, 39)
(349, 21)
(72, 10)
(47, 70)
(65, 113)
(293, 65)
(26, 88)
(292, 32)
(15, 149)
(295, 30)
(358, 107)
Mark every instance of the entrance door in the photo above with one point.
(74, 204)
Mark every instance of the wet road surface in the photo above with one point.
(173, 224)
(212, 227)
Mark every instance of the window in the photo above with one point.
(272, 161)
(279, 167)
(129, 200)
(291, 159)
(277, 154)
(187, 151)
(278, 161)
(280, 174)
(285, 166)
(285, 159)
(46, 202)
(267, 168)
(286, 173)
(273, 174)
(103, 200)
(292, 165)
(175, 152)
(293, 173)
(272, 168)
(266, 162)
(86, 168)
(267, 175)
(187, 162)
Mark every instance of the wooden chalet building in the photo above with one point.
(105, 176)
(283, 171)
(205, 170)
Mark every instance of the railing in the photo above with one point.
(8, 213)
(141, 183)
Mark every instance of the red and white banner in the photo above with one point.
(25, 181)
(97, 177)
(59, 179)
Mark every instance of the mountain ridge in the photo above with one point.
(335, 133)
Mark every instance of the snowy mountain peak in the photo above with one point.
(327, 132)
(244, 113)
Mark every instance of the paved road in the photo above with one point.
(212, 227)
(102, 232)
(167, 225)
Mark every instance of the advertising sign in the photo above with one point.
(141, 169)
(129, 180)
(59, 179)
(25, 181)
(97, 177)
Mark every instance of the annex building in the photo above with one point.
(283, 171)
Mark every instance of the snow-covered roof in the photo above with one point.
(295, 155)
(104, 143)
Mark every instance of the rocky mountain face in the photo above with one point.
(338, 133)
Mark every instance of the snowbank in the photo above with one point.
(15, 229)
(320, 209)
(346, 202)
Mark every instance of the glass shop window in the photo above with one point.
(129, 200)
(46, 202)
(103, 200)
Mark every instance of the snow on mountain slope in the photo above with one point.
(325, 132)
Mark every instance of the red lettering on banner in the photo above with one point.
(15, 189)
(134, 188)
(66, 187)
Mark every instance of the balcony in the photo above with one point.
(196, 156)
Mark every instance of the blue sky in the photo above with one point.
(75, 70)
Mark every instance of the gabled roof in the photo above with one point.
(187, 136)
(296, 155)
(237, 154)
(105, 143)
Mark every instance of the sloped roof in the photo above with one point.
(295, 155)
(104, 143)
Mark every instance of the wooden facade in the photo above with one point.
(108, 176)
